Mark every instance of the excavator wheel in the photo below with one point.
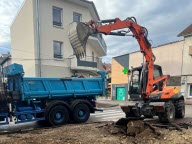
(169, 115)
(179, 109)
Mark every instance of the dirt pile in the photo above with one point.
(99, 133)
(140, 132)
(133, 127)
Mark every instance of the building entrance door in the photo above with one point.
(120, 93)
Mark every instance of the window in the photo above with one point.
(190, 90)
(156, 73)
(135, 81)
(76, 17)
(57, 16)
(57, 48)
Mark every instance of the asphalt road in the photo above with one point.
(115, 113)
(108, 114)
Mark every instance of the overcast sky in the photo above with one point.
(164, 19)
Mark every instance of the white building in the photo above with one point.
(39, 38)
(186, 77)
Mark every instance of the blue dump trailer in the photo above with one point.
(55, 100)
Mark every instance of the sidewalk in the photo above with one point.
(116, 103)
(113, 102)
(188, 102)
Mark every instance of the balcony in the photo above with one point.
(89, 64)
(98, 43)
(58, 56)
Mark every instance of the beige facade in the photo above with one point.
(33, 34)
(168, 56)
(186, 80)
(187, 58)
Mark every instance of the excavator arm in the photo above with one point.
(110, 27)
(139, 32)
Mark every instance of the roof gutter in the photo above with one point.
(93, 5)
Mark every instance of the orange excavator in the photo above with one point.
(146, 83)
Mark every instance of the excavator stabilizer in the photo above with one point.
(78, 36)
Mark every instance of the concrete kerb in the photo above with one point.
(188, 101)
(113, 103)
(119, 103)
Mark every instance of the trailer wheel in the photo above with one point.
(81, 113)
(169, 115)
(58, 115)
(180, 109)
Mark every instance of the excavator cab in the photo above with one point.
(135, 82)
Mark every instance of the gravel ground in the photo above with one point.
(96, 133)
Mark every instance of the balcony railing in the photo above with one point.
(101, 40)
(58, 56)
(88, 61)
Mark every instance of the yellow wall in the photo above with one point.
(23, 38)
(117, 76)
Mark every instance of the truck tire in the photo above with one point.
(58, 115)
(169, 115)
(81, 113)
(180, 109)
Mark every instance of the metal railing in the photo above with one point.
(58, 56)
(89, 61)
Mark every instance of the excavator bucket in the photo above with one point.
(78, 36)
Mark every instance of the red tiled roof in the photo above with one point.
(187, 31)
(107, 67)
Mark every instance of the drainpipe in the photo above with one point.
(38, 35)
(185, 93)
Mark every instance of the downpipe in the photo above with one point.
(38, 35)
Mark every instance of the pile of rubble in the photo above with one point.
(133, 127)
